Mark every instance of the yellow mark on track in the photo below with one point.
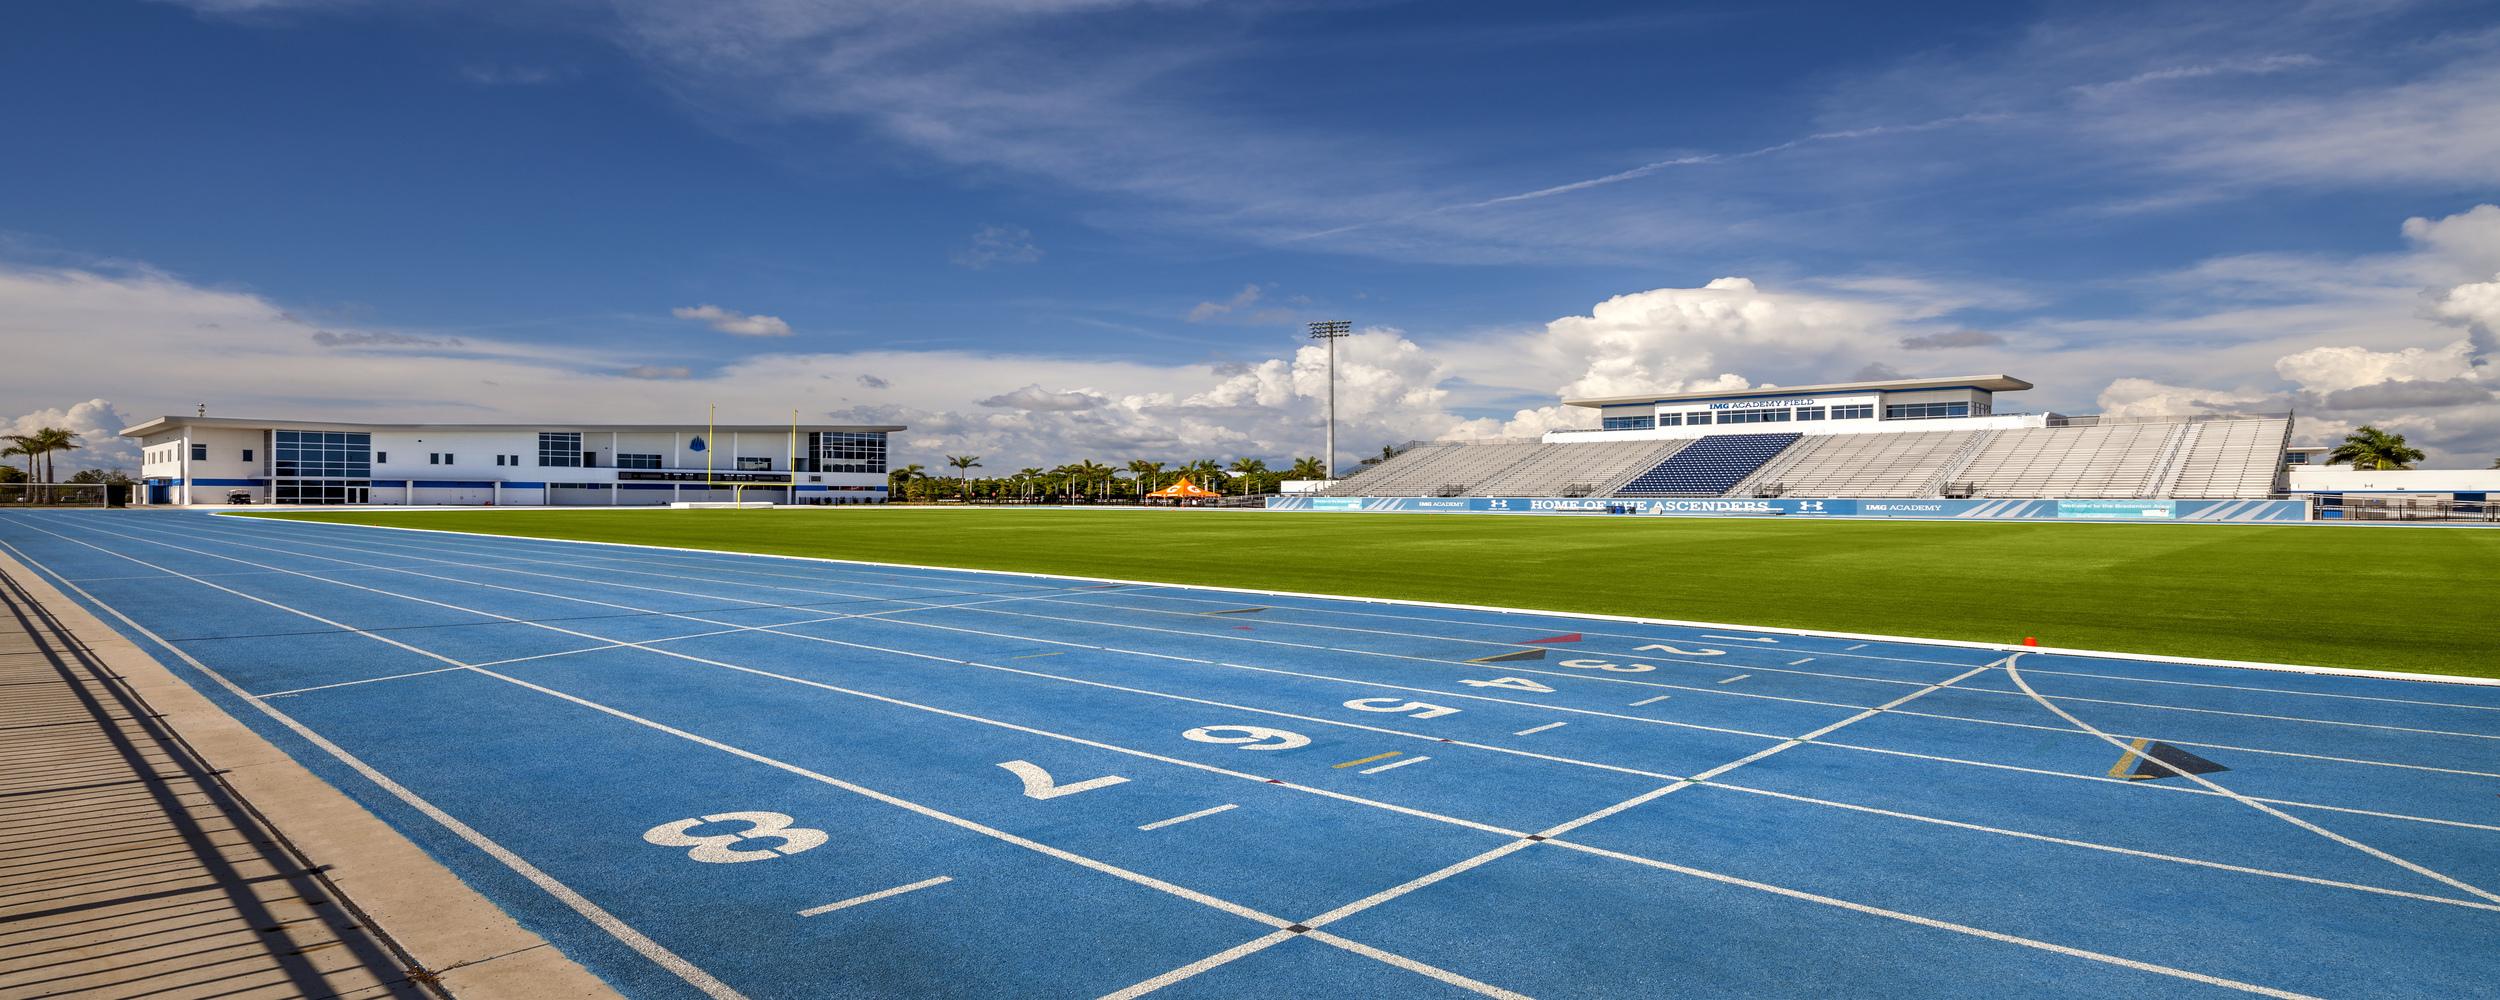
(2135, 749)
(1036, 656)
(1367, 760)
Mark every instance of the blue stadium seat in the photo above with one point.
(1710, 466)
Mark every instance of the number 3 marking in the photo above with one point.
(717, 850)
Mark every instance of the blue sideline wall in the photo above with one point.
(2015, 510)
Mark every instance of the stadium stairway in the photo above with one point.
(1710, 466)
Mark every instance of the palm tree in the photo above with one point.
(1145, 472)
(964, 464)
(41, 444)
(1026, 477)
(1308, 468)
(1085, 471)
(898, 482)
(2370, 448)
(1250, 471)
(22, 444)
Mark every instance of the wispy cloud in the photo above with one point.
(731, 321)
(995, 245)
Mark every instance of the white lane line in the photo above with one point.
(1801, 662)
(1062, 597)
(1858, 646)
(1324, 677)
(1649, 701)
(1490, 856)
(1332, 722)
(1862, 715)
(814, 911)
(1073, 858)
(1242, 950)
(1177, 820)
(1539, 729)
(368, 680)
(1106, 868)
(1394, 763)
(2017, 676)
(1942, 925)
(1739, 677)
(1737, 638)
(1150, 587)
(598, 916)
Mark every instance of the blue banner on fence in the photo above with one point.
(2023, 510)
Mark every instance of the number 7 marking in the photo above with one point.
(1039, 785)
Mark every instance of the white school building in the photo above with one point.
(218, 460)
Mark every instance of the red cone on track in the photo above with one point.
(2031, 640)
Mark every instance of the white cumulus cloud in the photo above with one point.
(731, 321)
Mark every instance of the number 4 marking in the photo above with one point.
(1513, 683)
(1039, 785)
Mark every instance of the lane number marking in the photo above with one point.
(1679, 651)
(1038, 783)
(1511, 683)
(1421, 710)
(719, 849)
(1249, 737)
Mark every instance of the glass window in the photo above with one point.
(1810, 413)
(1861, 411)
(199, 453)
(1925, 411)
(1777, 416)
(1628, 423)
(312, 455)
(626, 461)
(560, 448)
(846, 451)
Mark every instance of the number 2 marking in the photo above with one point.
(1039, 785)
(716, 849)
(1681, 652)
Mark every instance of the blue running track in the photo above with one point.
(729, 775)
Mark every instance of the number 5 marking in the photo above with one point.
(1400, 705)
(717, 850)
(1039, 785)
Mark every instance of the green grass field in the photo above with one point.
(2386, 598)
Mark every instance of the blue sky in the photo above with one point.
(1042, 230)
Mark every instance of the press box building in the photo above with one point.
(207, 460)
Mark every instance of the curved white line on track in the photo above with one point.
(2017, 675)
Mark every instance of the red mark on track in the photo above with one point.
(1243, 628)
(1565, 637)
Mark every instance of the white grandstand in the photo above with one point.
(1910, 438)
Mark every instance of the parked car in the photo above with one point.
(239, 496)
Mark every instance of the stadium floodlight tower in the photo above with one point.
(1330, 331)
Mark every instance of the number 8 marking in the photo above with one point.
(716, 849)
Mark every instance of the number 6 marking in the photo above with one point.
(716, 849)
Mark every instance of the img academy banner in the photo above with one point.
(2018, 510)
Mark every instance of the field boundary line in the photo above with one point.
(2297, 668)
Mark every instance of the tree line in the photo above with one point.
(1089, 481)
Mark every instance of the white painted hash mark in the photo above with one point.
(1391, 764)
(1200, 814)
(875, 896)
(1539, 729)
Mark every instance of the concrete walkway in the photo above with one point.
(133, 865)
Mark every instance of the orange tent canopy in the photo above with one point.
(1183, 490)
